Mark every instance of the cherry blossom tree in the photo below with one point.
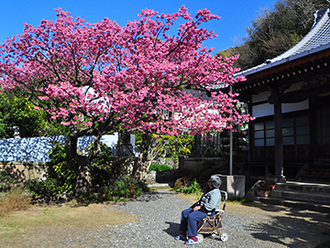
(101, 77)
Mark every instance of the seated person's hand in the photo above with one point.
(197, 208)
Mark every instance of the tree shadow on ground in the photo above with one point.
(293, 228)
(264, 207)
(150, 196)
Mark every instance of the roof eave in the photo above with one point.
(284, 61)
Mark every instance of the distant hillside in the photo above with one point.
(275, 31)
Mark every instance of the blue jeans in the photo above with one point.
(189, 219)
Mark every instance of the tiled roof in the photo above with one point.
(316, 40)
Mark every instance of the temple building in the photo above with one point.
(290, 97)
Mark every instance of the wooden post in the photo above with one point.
(278, 134)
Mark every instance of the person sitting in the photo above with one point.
(208, 203)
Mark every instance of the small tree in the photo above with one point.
(173, 146)
(101, 77)
(19, 111)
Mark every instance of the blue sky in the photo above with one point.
(236, 15)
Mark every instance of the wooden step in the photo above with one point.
(303, 195)
(301, 205)
(305, 187)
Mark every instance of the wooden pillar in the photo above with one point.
(197, 145)
(278, 134)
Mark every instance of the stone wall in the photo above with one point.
(20, 172)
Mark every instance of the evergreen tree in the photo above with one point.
(275, 31)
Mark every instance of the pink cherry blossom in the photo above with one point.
(102, 76)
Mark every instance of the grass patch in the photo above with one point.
(191, 197)
(152, 189)
(26, 225)
(160, 167)
(21, 222)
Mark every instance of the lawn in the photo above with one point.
(26, 222)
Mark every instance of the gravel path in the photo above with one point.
(159, 217)
(159, 212)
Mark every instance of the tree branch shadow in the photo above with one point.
(293, 229)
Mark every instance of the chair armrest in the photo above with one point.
(217, 211)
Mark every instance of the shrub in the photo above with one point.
(45, 189)
(118, 189)
(109, 180)
(4, 180)
(64, 168)
(160, 167)
(13, 201)
(173, 146)
(62, 173)
(192, 188)
(104, 168)
(182, 185)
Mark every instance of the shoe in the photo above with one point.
(192, 242)
(181, 237)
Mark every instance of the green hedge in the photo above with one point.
(160, 167)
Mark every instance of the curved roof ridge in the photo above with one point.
(316, 32)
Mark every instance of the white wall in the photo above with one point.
(36, 149)
(266, 109)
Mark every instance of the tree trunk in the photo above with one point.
(83, 178)
(141, 165)
(141, 168)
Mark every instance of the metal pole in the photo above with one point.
(231, 146)
(231, 154)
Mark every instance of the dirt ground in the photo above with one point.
(40, 226)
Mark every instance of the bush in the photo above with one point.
(182, 185)
(160, 167)
(4, 180)
(109, 180)
(62, 173)
(121, 188)
(192, 188)
(63, 170)
(45, 189)
(104, 168)
(173, 146)
(13, 201)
